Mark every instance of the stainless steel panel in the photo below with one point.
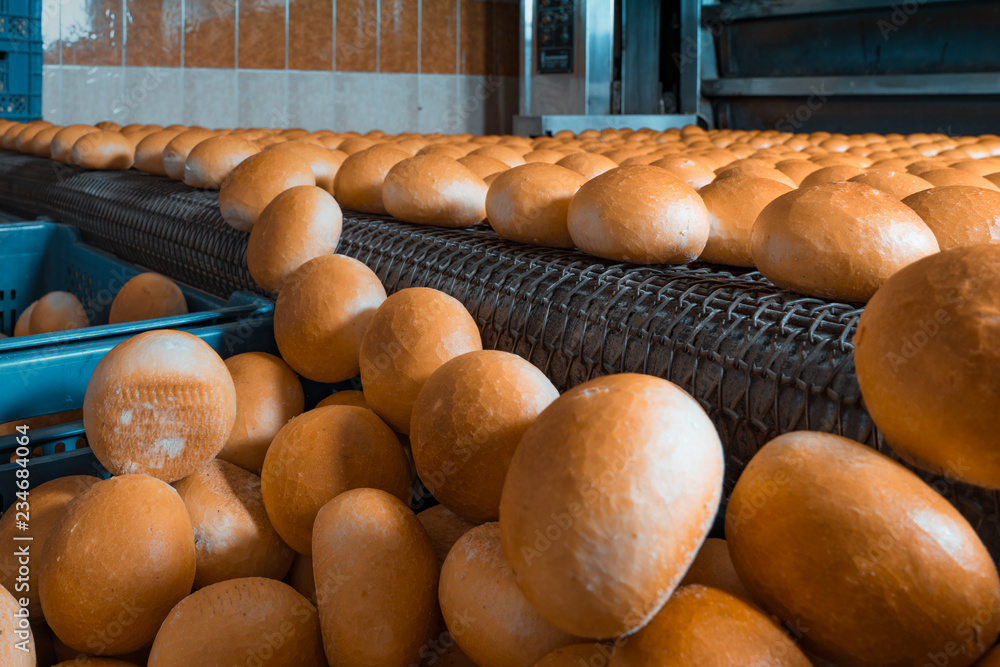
(598, 27)
(824, 87)
(533, 126)
(640, 60)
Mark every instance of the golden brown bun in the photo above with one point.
(325, 163)
(103, 150)
(714, 567)
(321, 454)
(345, 397)
(255, 183)
(46, 503)
(233, 536)
(444, 527)
(268, 395)
(57, 311)
(709, 628)
(754, 167)
(588, 165)
(145, 297)
(467, 421)
(162, 403)
(983, 167)
(446, 150)
(543, 155)
(358, 185)
(892, 164)
(639, 214)
(41, 143)
(505, 154)
(855, 547)
(251, 621)
(595, 529)
(10, 625)
(949, 176)
(837, 241)
(434, 190)
(926, 373)
(109, 126)
(412, 334)
(927, 165)
(530, 203)
(483, 166)
(733, 205)
(797, 170)
(355, 145)
(300, 224)
(10, 134)
(484, 609)
(835, 174)
(23, 325)
(319, 330)
(959, 215)
(212, 160)
(579, 655)
(899, 184)
(22, 142)
(688, 169)
(62, 143)
(122, 551)
(149, 151)
(176, 151)
(300, 577)
(376, 580)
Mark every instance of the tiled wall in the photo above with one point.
(395, 65)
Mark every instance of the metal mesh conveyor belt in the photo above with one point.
(760, 360)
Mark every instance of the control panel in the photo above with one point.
(555, 21)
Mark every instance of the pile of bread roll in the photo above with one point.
(826, 215)
(240, 528)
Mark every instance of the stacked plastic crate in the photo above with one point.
(21, 59)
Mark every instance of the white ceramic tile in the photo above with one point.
(398, 103)
(210, 97)
(263, 98)
(153, 95)
(52, 94)
(438, 102)
(310, 100)
(478, 108)
(91, 94)
(356, 101)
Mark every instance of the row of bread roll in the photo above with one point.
(143, 297)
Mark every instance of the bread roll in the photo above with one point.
(147, 296)
(15, 629)
(10, 135)
(713, 567)
(688, 169)
(103, 150)
(22, 142)
(982, 167)
(115, 563)
(212, 160)
(325, 163)
(838, 241)
(319, 330)
(948, 176)
(321, 454)
(797, 170)
(162, 403)
(300, 224)
(959, 215)
(447, 150)
(855, 547)
(927, 165)
(505, 154)
(268, 395)
(252, 621)
(708, 627)
(588, 165)
(639, 214)
(530, 203)
(61, 145)
(412, 334)
(109, 126)
(835, 174)
(23, 325)
(899, 184)
(434, 190)
(255, 183)
(354, 145)
(57, 311)
(543, 155)
(46, 503)
(733, 205)
(600, 522)
(345, 397)
(41, 143)
(467, 421)
(376, 580)
(233, 536)
(358, 185)
(483, 166)
(150, 149)
(485, 610)
(176, 151)
(754, 167)
(444, 527)
(926, 375)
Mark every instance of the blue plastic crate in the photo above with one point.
(21, 20)
(21, 59)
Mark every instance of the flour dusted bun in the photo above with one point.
(56, 311)
(639, 214)
(434, 190)
(162, 403)
(10, 625)
(959, 215)
(145, 297)
(837, 240)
